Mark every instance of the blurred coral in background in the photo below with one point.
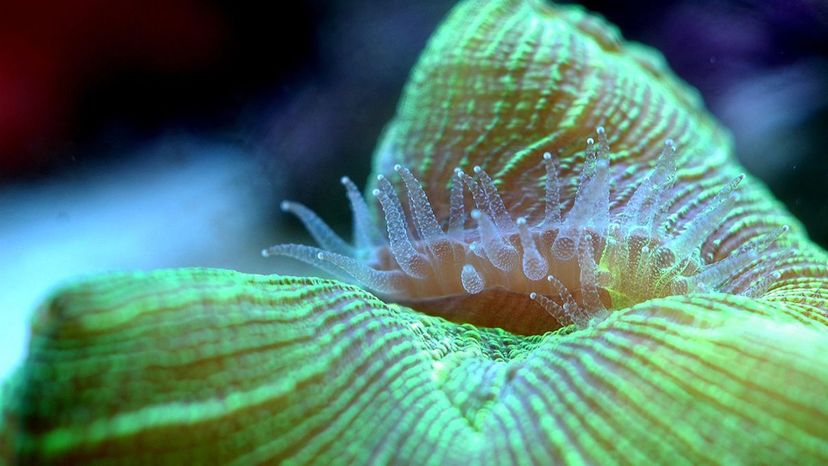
(145, 134)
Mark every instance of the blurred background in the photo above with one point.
(144, 133)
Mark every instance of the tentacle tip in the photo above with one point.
(590, 141)
(320, 256)
(547, 156)
(475, 214)
(477, 169)
(669, 143)
(397, 168)
(344, 180)
(285, 206)
(521, 221)
(265, 252)
(550, 278)
(380, 177)
(375, 192)
(533, 295)
(600, 130)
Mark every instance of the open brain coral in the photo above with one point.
(571, 268)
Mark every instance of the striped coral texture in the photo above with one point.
(502, 82)
(207, 366)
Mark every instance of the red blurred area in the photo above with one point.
(51, 49)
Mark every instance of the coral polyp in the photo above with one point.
(493, 267)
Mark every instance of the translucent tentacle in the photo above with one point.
(663, 179)
(565, 245)
(535, 266)
(481, 200)
(500, 215)
(597, 189)
(318, 229)
(304, 253)
(589, 276)
(472, 282)
(642, 206)
(551, 307)
(457, 209)
(588, 200)
(498, 250)
(713, 275)
(552, 193)
(339, 265)
(383, 281)
(761, 286)
(367, 233)
(755, 284)
(409, 260)
(424, 218)
(704, 222)
(570, 307)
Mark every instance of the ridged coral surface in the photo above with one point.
(206, 366)
(211, 366)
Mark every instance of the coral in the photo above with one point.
(699, 305)
(641, 255)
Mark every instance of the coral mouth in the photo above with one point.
(495, 308)
(518, 313)
(532, 276)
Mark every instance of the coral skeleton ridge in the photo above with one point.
(576, 264)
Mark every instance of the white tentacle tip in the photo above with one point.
(521, 221)
(397, 168)
(547, 156)
(375, 192)
(285, 206)
(344, 180)
(533, 295)
(265, 252)
(477, 169)
(475, 214)
(380, 177)
(600, 130)
(590, 141)
(320, 256)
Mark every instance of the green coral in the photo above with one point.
(196, 365)
(213, 366)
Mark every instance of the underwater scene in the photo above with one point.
(448, 232)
